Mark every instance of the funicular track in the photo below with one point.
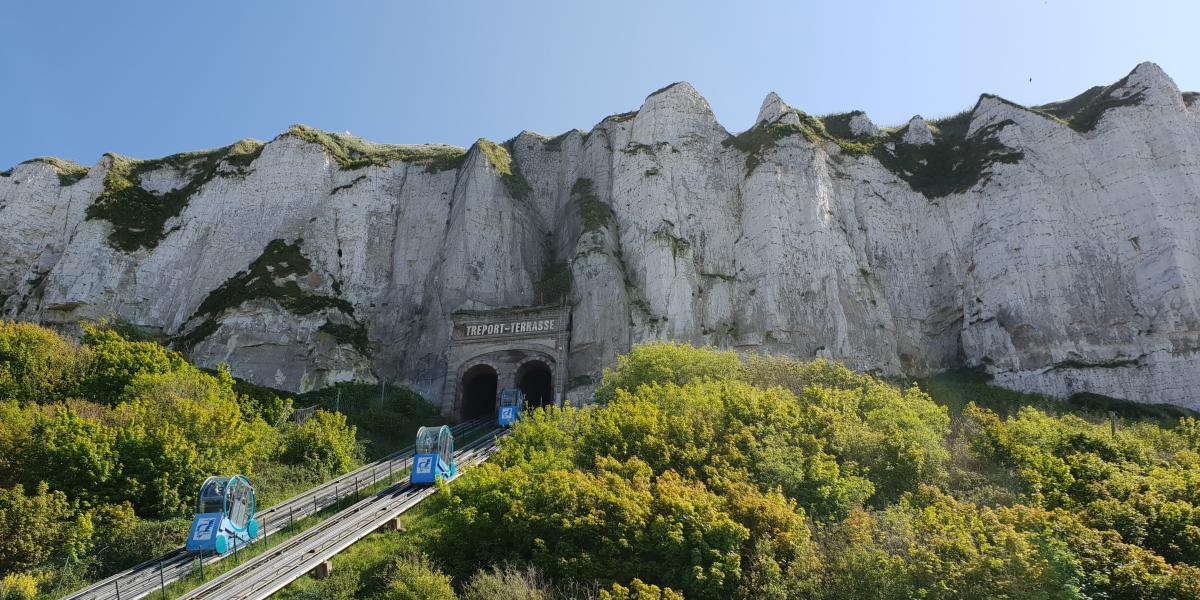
(269, 572)
(148, 577)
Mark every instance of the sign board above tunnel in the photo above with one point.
(466, 331)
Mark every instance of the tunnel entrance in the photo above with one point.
(537, 382)
(479, 392)
(516, 347)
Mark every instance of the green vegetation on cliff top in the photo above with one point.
(351, 152)
(956, 161)
(1083, 112)
(139, 215)
(501, 160)
(68, 172)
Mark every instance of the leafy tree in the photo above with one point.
(638, 590)
(116, 362)
(897, 437)
(37, 365)
(19, 586)
(663, 363)
(176, 429)
(324, 441)
(35, 527)
(1141, 482)
(1104, 565)
(74, 455)
(16, 428)
(931, 546)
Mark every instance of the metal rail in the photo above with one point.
(269, 572)
(149, 577)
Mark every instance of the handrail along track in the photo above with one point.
(145, 578)
(269, 572)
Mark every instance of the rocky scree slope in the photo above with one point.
(1055, 246)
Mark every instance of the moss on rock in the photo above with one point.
(594, 214)
(1083, 112)
(952, 164)
(138, 215)
(761, 138)
(274, 275)
(352, 153)
(354, 334)
(69, 173)
(510, 174)
(555, 283)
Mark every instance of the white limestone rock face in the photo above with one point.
(917, 133)
(286, 351)
(862, 126)
(774, 109)
(1058, 258)
(37, 214)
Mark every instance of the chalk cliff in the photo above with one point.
(1056, 246)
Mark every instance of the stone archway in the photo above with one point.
(480, 378)
(479, 386)
(535, 377)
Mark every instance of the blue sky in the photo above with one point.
(148, 79)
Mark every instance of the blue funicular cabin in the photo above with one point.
(224, 515)
(510, 406)
(434, 455)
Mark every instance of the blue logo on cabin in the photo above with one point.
(425, 464)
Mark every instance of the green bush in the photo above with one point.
(37, 365)
(16, 430)
(772, 478)
(414, 577)
(507, 583)
(74, 455)
(665, 363)
(258, 401)
(115, 362)
(114, 482)
(931, 546)
(19, 586)
(896, 436)
(638, 590)
(177, 429)
(323, 441)
(386, 419)
(1142, 482)
(36, 526)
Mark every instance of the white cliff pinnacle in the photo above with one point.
(772, 108)
(862, 126)
(918, 132)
